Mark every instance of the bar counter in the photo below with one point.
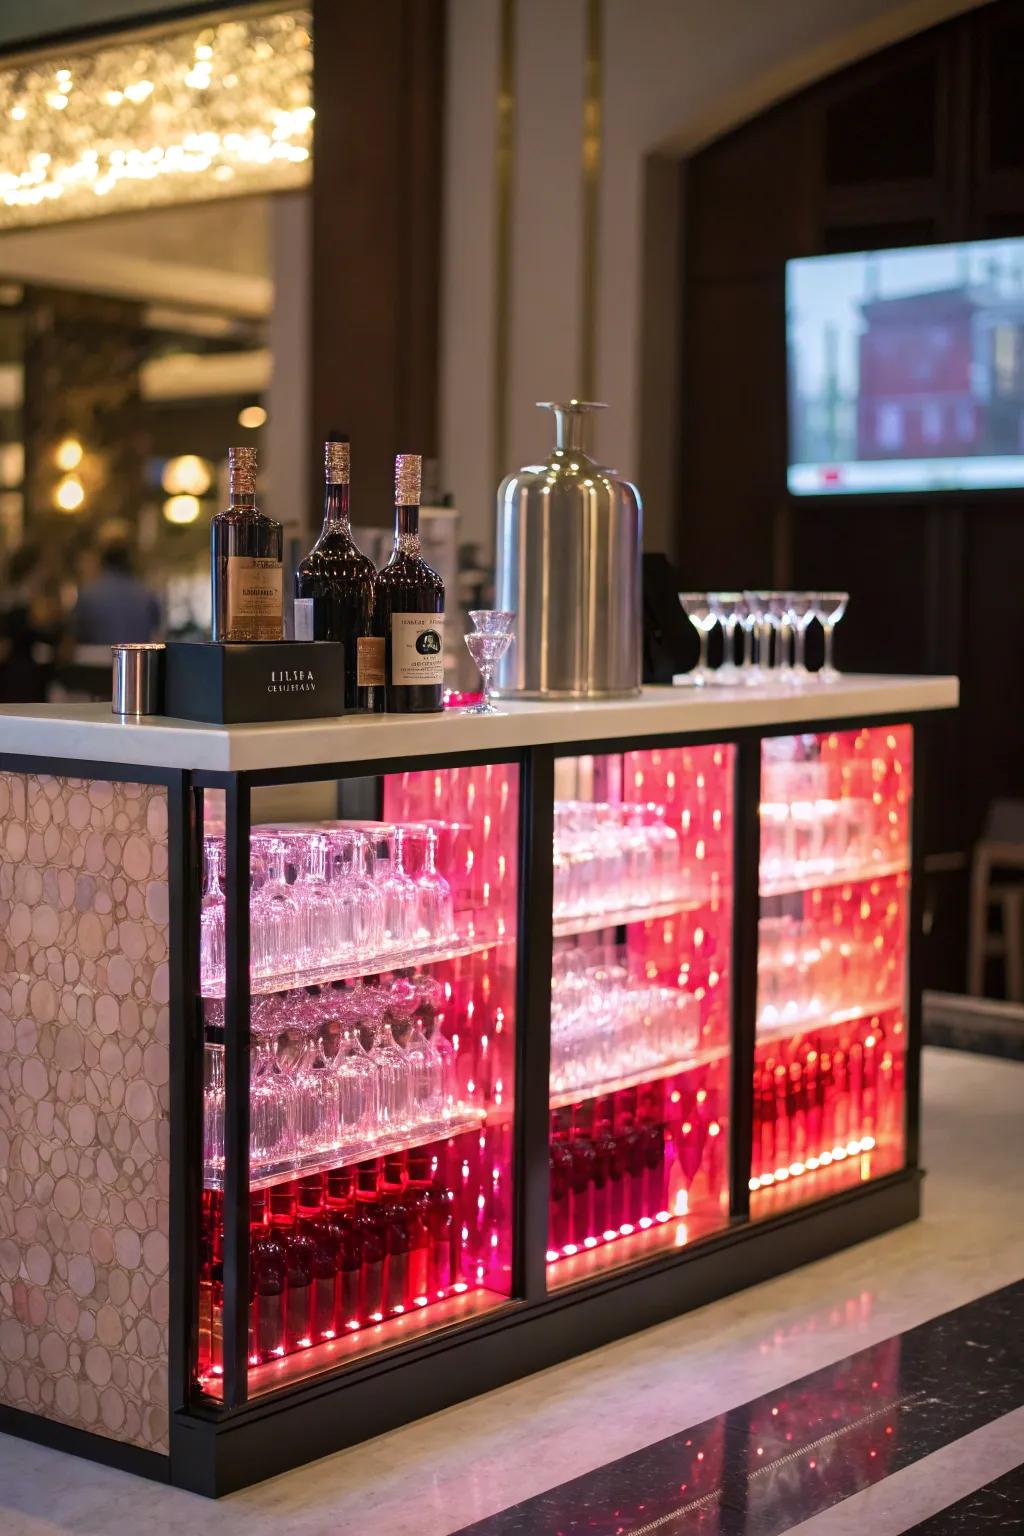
(651, 1033)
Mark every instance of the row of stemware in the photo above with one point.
(608, 1024)
(337, 1070)
(328, 895)
(773, 629)
(615, 858)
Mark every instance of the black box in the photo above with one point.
(246, 684)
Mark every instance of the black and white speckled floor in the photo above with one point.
(774, 1462)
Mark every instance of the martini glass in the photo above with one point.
(800, 610)
(697, 607)
(490, 638)
(727, 608)
(830, 608)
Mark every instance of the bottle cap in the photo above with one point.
(336, 462)
(408, 468)
(242, 469)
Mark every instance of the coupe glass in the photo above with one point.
(831, 607)
(727, 607)
(801, 608)
(778, 613)
(759, 620)
(491, 636)
(697, 607)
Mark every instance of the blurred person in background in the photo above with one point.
(115, 607)
(31, 628)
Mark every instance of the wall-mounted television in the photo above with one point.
(906, 370)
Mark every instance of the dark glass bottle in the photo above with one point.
(410, 607)
(246, 549)
(335, 591)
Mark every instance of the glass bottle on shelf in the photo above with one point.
(246, 551)
(335, 590)
(410, 607)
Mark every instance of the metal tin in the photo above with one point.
(569, 542)
(138, 679)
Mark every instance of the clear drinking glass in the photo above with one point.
(697, 607)
(831, 607)
(435, 915)
(490, 638)
(801, 608)
(397, 891)
(727, 608)
(211, 917)
(274, 926)
(760, 622)
(315, 895)
(778, 613)
(358, 900)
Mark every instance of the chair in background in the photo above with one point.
(1000, 849)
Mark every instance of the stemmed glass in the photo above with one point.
(778, 612)
(758, 622)
(490, 638)
(211, 916)
(435, 918)
(318, 912)
(800, 611)
(274, 913)
(727, 608)
(830, 608)
(697, 608)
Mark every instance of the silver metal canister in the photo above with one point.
(138, 679)
(569, 543)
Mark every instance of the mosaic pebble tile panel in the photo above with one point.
(84, 1091)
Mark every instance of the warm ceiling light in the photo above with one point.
(181, 509)
(69, 495)
(252, 416)
(68, 454)
(167, 119)
(187, 475)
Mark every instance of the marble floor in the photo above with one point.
(435, 1477)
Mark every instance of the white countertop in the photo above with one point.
(90, 732)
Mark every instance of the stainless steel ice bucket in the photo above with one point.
(569, 541)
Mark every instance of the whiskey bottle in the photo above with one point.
(335, 590)
(246, 549)
(410, 607)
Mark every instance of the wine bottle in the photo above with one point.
(410, 607)
(246, 549)
(335, 590)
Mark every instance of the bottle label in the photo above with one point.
(304, 618)
(417, 649)
(255, 599)
(370, 661)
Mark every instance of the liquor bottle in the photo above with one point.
(335, 591)
(410, 607)
(246, 549)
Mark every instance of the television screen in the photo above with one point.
(906, 369)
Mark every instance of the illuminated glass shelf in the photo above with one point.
(820, 880)
(621, 917)
(652, 1072)
(370, 965)
(785, 1029)
(341, 1157)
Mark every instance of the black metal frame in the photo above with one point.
(218, 1447)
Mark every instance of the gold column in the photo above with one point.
(593, 89)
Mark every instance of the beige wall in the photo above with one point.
(676, 73)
